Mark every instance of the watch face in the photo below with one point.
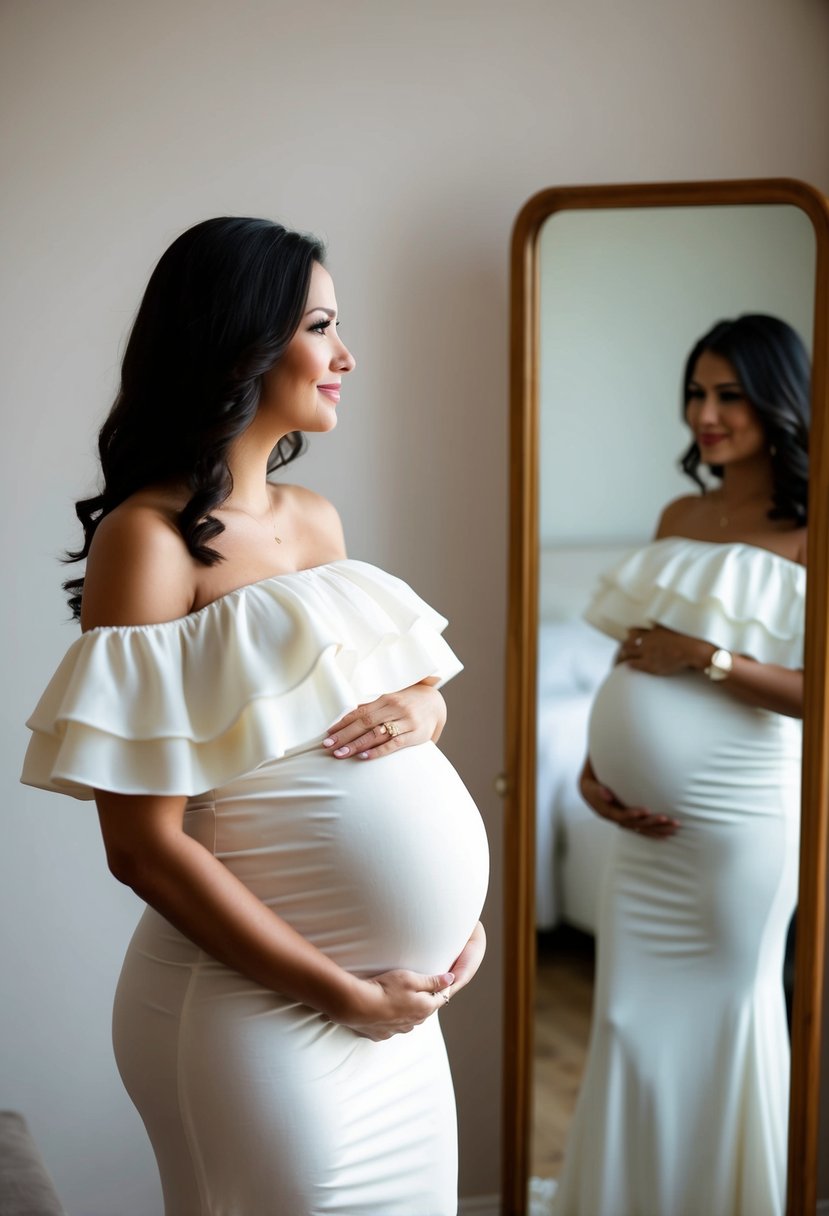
(721, 662)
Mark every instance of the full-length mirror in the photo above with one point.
(659, 549)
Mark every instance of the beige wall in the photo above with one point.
(409, 136)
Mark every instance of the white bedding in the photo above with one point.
(573, 660)
(570, 841)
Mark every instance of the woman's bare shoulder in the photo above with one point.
(676, 514)
(139, 570)
(312, 516)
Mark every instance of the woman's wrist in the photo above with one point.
(346, 1000)
(701, 654)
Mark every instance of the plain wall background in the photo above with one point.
(409, 136)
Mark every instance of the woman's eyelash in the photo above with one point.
(321, 326)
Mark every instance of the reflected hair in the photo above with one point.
(772, 366)
(219, 310)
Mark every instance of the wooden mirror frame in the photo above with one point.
(522, 626)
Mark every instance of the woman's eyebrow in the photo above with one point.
(721, 384)
(331, 312)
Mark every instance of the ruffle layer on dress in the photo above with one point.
(187, 705)
(733, 595)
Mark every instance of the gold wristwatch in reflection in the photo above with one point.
(720, 666)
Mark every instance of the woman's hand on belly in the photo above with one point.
(664, 652)
(635, 818)
(397, 719)
(393, 1003)
(469, 960)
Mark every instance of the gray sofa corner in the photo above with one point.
(25, 1186)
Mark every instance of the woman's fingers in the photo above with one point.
(398, 719)
(370, 730)
(376, 740)
(638, 820)
(470, 958)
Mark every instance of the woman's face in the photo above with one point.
(724, 422)
(302, 390)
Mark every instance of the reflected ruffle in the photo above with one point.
(187, 705)
(733, 595)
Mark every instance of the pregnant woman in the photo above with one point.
(255, 715)
(694, 750)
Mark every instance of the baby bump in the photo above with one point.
(684, 745)
(380, 864)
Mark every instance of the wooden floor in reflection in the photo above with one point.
(564, 998)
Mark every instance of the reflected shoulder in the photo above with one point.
(675, 513)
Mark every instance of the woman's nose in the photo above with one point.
(709, 409)
(344, 360)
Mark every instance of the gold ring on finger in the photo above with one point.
(390, 728)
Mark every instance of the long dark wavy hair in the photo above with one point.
(772, 366)
(220, 308)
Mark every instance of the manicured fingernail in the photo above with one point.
(329, 742)
(341, 751)
(364, 755)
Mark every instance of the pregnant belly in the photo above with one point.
(380, 864)
(684, 745)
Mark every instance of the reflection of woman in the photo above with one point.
(694, 750)
(306, 898)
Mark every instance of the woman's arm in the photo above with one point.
(148, 850)
(664, 652)
(660, 651)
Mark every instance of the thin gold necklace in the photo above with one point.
(723, 511)
(278, 539)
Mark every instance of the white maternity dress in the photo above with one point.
(683, 1107)
(254, 1104)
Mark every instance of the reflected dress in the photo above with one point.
(684, 1103)
(255, 1105)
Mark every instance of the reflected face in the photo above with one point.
(723, 420)
(303, 389)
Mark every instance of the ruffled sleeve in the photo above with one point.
(736, 596)
(188, 705)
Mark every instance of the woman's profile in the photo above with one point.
(694, 751)
(255, 715)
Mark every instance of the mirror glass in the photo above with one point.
(625, 294)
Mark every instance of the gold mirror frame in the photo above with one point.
(522, 624)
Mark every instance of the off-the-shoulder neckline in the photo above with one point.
(732, 544)
(224, 597)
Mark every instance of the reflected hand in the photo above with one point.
(635, 818)
(397, 719)
(663, 652)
